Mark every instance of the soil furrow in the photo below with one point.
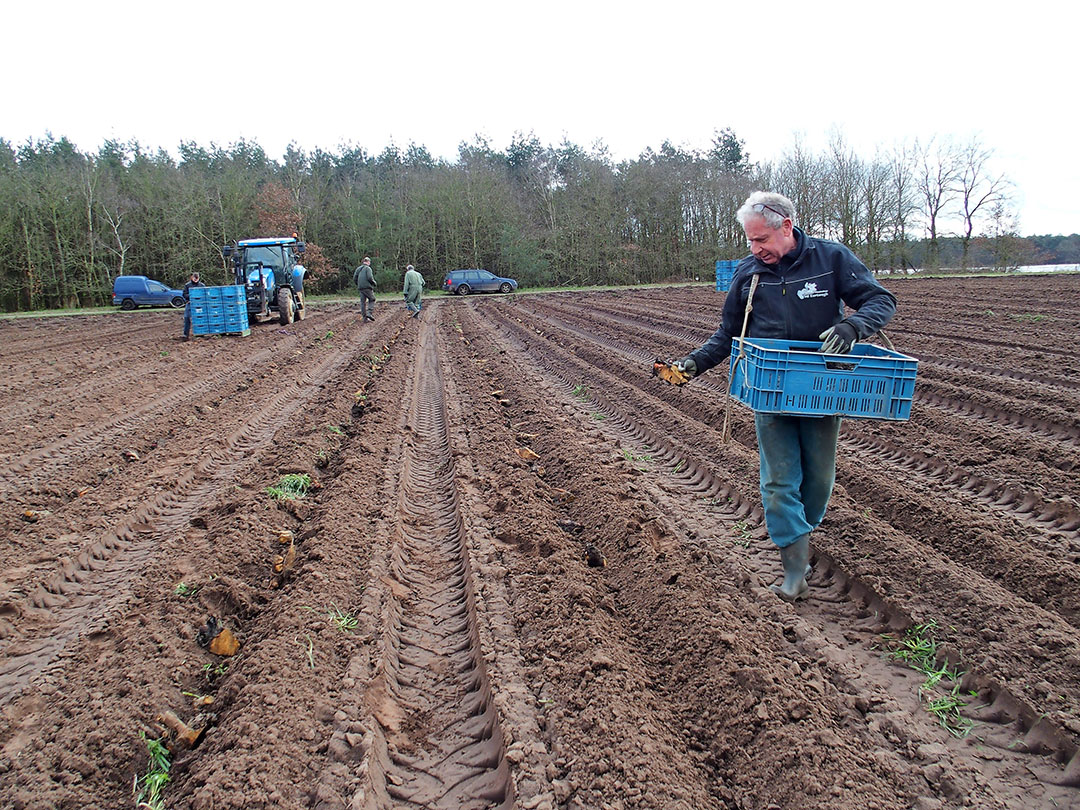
(90, 587)
(438, 742)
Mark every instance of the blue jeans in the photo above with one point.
(187, 320)
(798, 470)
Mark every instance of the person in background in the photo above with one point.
(194, 282)
(804, 284)
(413, 290)
(365, 283)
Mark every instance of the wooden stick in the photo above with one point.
(725, 435)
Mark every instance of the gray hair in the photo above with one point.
(772, 207)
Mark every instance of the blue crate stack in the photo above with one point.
(793, 377)
(219, 310)
(725, 269)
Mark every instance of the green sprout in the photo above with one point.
(183, 590)
(746, 536)
(335, 429)
(345, 622)
(580, 393)
(214, 671)
(920, 650)
(310, 651)
(290, 487)
(149, 787)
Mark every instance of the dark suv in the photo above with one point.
(463, 282)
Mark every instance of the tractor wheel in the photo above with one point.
(127, 304)
(300, 313)
(285, 306)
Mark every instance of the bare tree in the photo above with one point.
(114, 218)
(845, 175)
(801, 178)
(979, 190)
(902, 200)
(877, 209)
(939, 168)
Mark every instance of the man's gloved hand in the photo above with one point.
(838, 339)
(675, 373)
(687, 366)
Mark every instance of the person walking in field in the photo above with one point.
(413, 290)
(364, 279)
(194, 282)
(803, 286)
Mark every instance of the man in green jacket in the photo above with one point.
(413, 290)
(364, 280)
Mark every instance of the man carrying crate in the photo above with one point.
(801, 287)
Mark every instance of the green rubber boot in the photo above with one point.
(796, 559)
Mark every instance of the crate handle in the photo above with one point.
(725, 434)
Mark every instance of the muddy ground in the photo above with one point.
(438, 638)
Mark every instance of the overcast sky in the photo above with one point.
(631, 75)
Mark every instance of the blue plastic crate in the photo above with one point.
(725, 271)
(234, 294)
(793, 377)
(217, 296)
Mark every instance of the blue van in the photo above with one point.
(139, 291)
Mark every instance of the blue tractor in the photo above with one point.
(270, 271)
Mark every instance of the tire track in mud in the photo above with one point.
(438, 742)
(79, 598)
(38, 465)
(38, 344)
(1008, 723)
(110, 347)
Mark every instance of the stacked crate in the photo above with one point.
(219, 310)
(725, 270)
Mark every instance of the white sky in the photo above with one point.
(630, 74)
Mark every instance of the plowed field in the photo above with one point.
(442, 633)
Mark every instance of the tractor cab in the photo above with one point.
(270, 271)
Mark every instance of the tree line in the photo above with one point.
(70, 221)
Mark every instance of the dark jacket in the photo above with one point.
(799, 298)
(188, 286)
(363, 278)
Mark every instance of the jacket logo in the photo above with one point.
(810, 290)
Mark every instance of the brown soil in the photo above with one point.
(438, 638)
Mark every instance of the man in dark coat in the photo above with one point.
(803, 286)
(194, 282)
(364, 279)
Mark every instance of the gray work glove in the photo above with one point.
(838, 339)
(687, 366)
